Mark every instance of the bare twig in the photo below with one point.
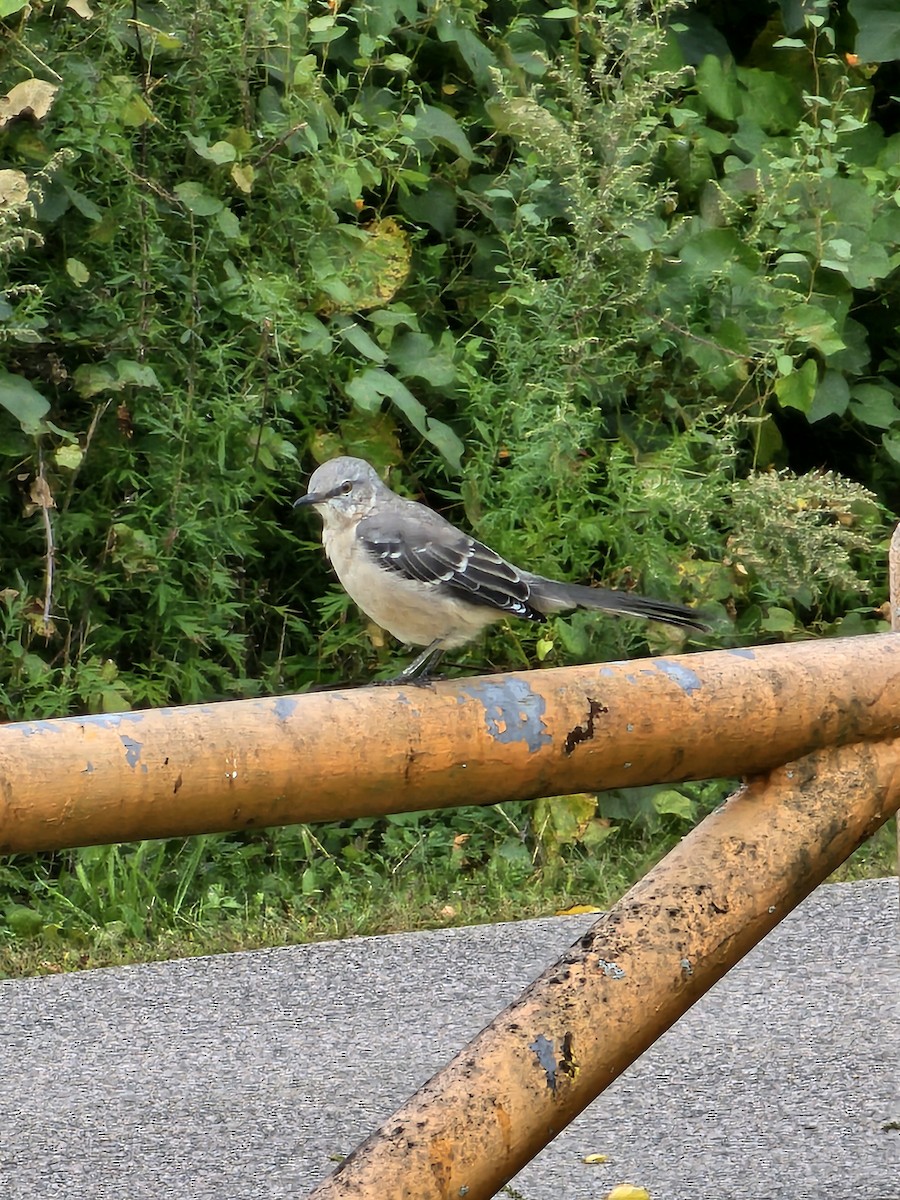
(894, 577)
(99, 410)
(279, 141)
(45, 501)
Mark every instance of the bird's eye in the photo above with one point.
(346, 487)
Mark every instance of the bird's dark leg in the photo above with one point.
(419, 671)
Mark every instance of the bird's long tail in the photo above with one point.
(549, 597)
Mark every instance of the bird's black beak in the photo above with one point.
(309, 498)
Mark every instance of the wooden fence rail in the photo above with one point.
(335, 755)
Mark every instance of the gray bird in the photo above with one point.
(430, 584)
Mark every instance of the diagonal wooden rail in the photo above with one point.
(629, 978)
(332, 755)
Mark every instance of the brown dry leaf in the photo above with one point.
(123, 419)
(32, 98)
(40, 494)
(13, 189)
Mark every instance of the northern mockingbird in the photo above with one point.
(430, 584)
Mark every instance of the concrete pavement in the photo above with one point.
(243, 1076)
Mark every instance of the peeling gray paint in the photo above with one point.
(30, 728)
(132, 750)
(95, 720)
(543, 1050)
(512, 711)
(686, 679)
(113, 720)
(610, 969)
(284, 707)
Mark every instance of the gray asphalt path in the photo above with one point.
(239, 1077)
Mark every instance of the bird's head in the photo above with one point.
(343, 489)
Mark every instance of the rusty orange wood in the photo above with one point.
(333, 755)
(640, 967)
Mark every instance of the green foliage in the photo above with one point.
(616, 284)
(528, 245)
(808, 533)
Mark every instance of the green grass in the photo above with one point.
(135, 905)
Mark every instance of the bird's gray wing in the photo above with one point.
(422, 547)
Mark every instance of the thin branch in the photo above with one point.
(894, 576)
(46, 500)
(99, 411)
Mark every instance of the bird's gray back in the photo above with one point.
(419, 544)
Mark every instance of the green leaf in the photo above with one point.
(83, 204)
(436, 206)
(397, 62)
(327, 35)
(475, 54)
(414, 354)
(77, 271)
(868, 265)
(813, 326)
(93, 378)
(69, 456)
(770, 100)
(713, 251)
(23, 401)
(446, 441)
(23, 921)
(90, 379)
(135, 374)
(798, 389)
(673, 803)
(218, 153)
(197, 200)
(778, 620)
(435, 125)
(878, 22)
(718, 86)
(229, 224)
(730, 335)
(831, 398)
(314, 336)
(368, 389)
(361, 341)
(874, 405)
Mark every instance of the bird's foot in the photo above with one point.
(408, 680)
